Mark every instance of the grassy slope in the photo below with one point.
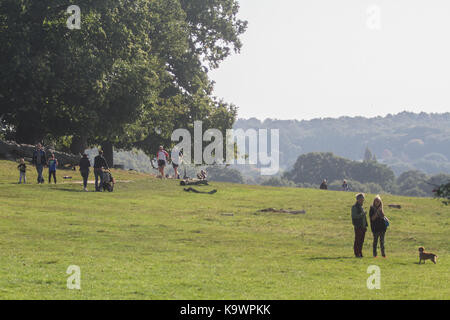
(151, 240)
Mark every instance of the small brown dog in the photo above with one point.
(426, 255)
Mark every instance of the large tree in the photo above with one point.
(135, 65)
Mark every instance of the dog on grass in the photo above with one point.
(426, 255)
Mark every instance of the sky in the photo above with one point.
(305, 59)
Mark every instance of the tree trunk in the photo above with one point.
(108, 148)
(78, 145)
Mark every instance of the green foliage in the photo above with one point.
(444, 192)
(134, 66)
(356, 187)
(314, 167)
(278, 182)
(392, 139)
(224, 174)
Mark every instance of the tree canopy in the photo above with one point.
(134, 66)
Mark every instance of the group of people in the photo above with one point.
(162, 158)
(378, 224)
(39, 160)
(324, 185)
(378, 221)
(100, 164)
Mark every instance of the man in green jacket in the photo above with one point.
(360, 224)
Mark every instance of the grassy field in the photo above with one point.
(151, 240)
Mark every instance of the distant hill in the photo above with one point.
(405, 141)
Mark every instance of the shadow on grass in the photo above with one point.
(71, 190)
(330, 258)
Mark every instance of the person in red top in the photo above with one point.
(162, 156)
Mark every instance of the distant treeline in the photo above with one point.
(362, 176)
(405, 141)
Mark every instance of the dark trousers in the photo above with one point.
(98, 174)
(376, 236)
(85, 176)
(50, 174)
(39, 169)
(360, 234)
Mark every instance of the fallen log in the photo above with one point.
(12, 151)
(196, 191)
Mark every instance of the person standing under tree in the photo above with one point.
(85, 164)
(162, 156)
(52, 164)
(39, 160)
(23, 171)
(99, 164)
(359, 221)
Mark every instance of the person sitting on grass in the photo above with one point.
(345, 186)
(23, 170)
(52, 164)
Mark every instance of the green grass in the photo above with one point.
(151, 240)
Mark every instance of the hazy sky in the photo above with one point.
(305, 59)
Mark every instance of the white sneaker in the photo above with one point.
(85, 189)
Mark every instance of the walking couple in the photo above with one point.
(378, 224)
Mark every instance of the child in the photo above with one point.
(52, 163)
(23, 169)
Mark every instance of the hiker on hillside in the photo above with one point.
(52, 164)
(359, 221)
(99, 164)
(378, 225)
(39, 160)
(162, 156)
(23, 170)
(85, 164)
(345, 186)
(324, 185)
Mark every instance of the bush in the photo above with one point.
(278, 182)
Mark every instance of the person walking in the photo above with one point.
(99, 164)
(162, 156)
(378, 225)
(23, 171)
(359, 221)
(85, 164)
(52, 164)
(177, 158)
(39, 160)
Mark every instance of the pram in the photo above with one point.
(108, 181)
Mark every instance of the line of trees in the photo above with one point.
(362, 176)
(134, 72)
